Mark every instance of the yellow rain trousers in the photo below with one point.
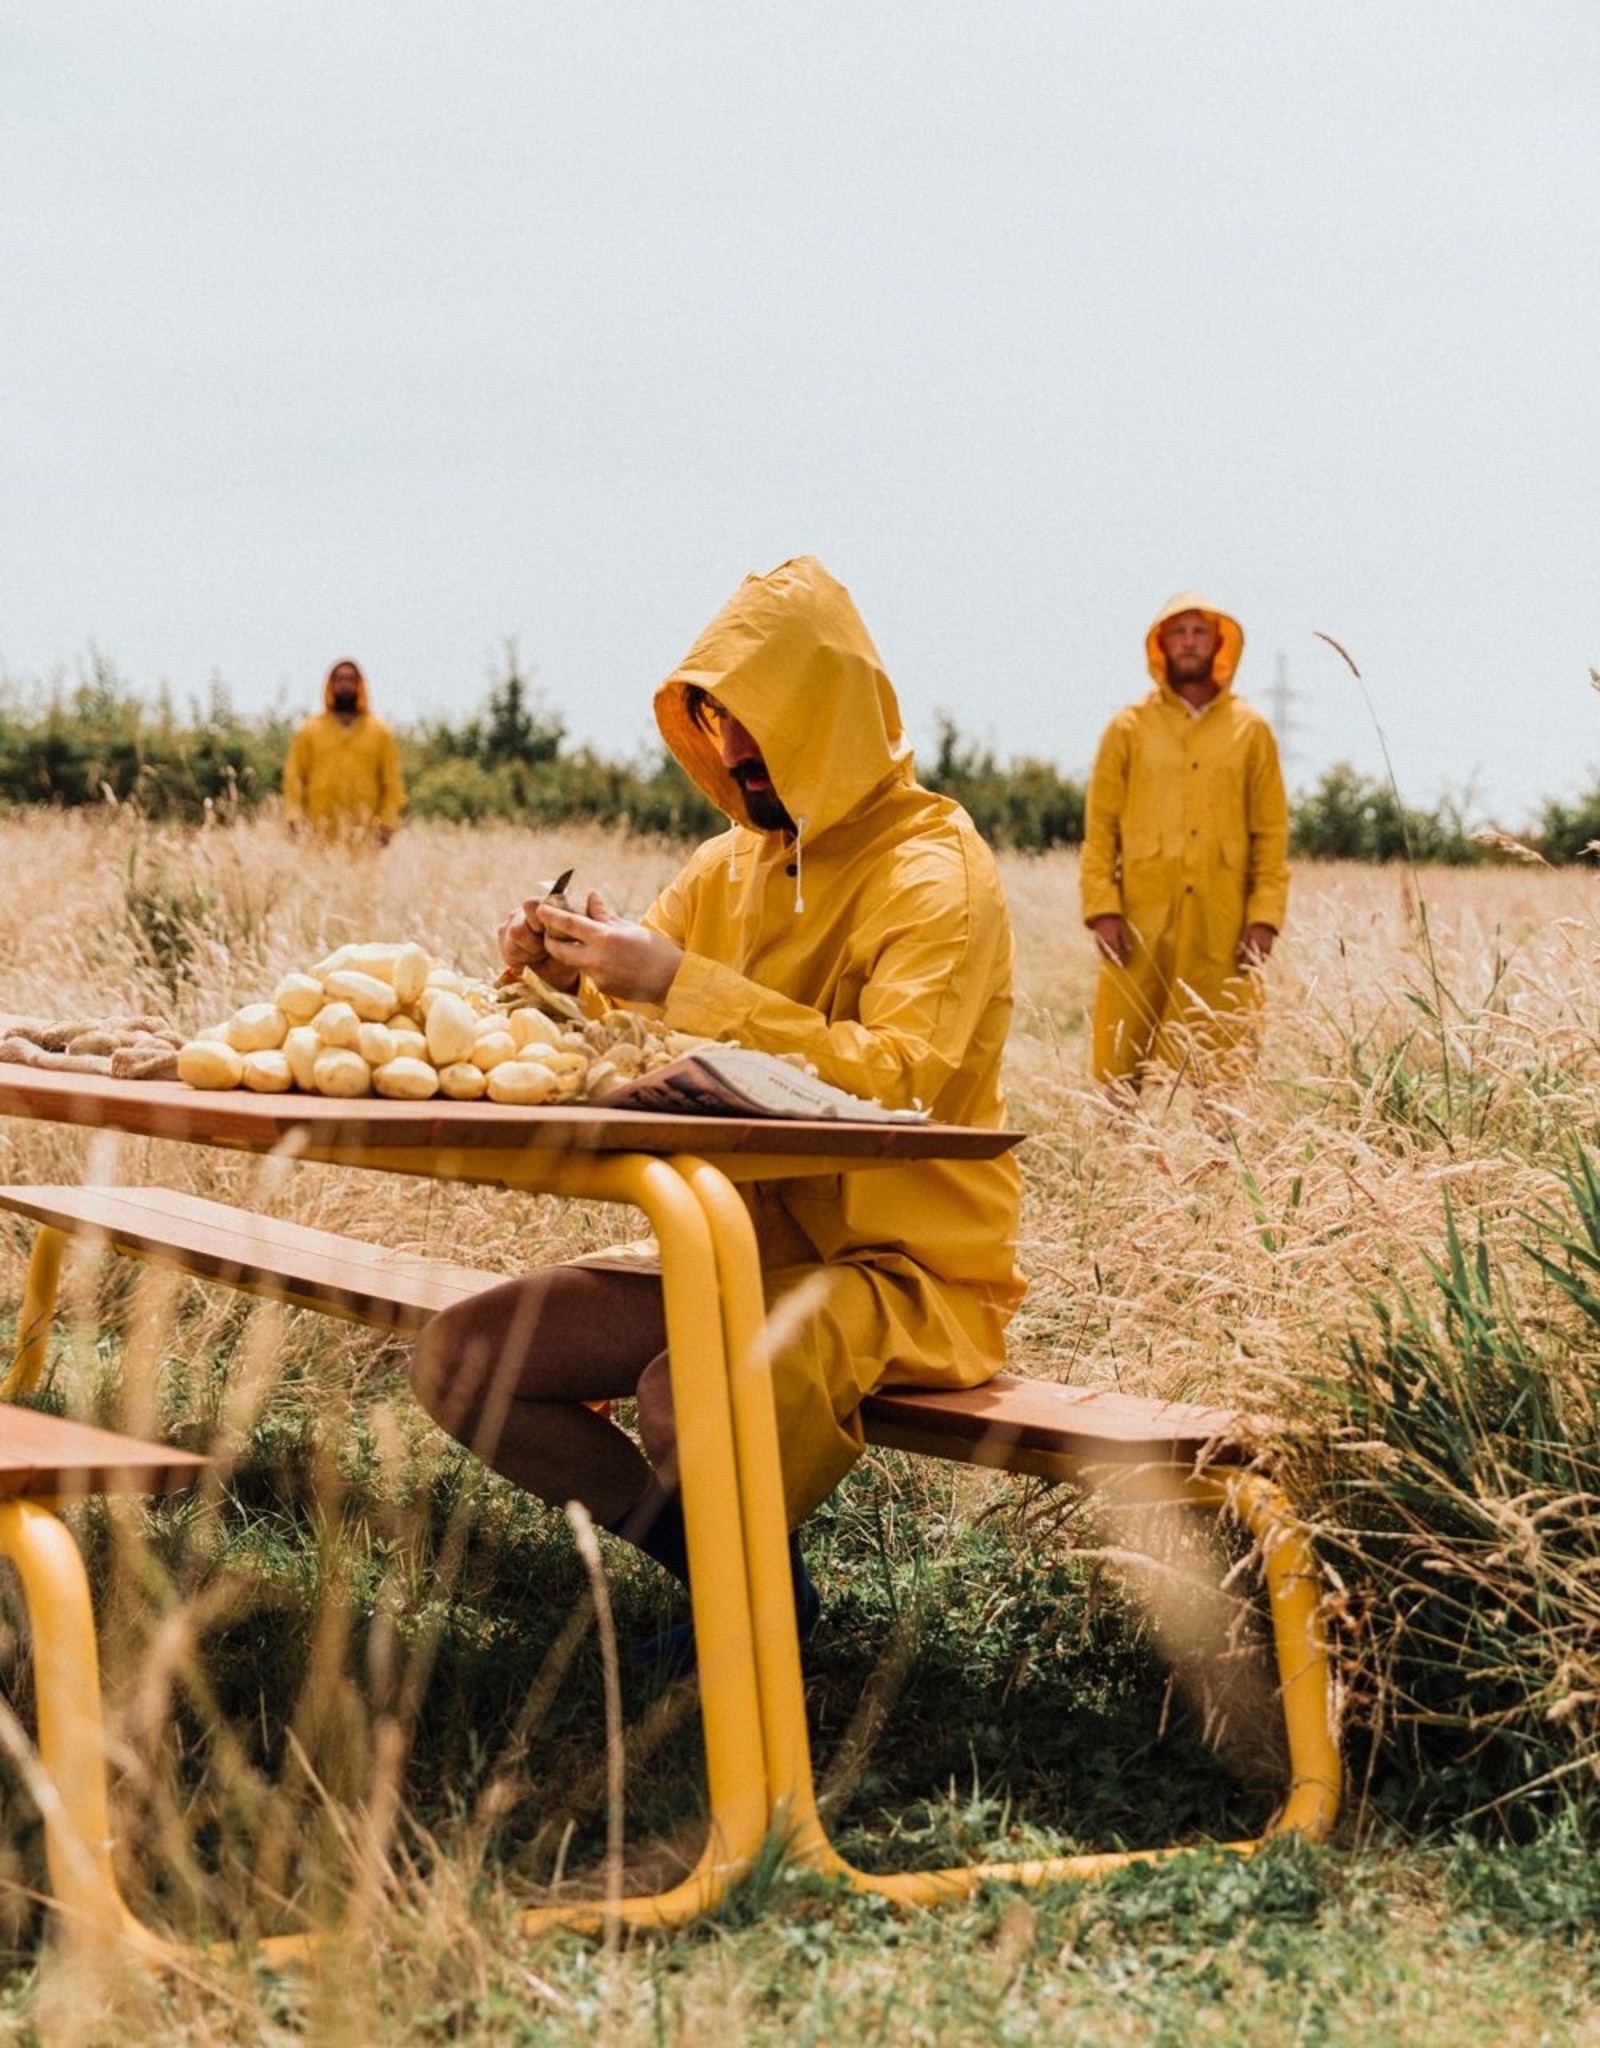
(343, 779)
(1186, 835)
(877, 943)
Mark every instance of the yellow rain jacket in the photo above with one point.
(343, 779)
(877, 943)
(1186, 836)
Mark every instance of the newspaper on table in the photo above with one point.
(735, 1080)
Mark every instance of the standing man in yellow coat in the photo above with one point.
(342, 777)
(1184, 874)
(849, 916)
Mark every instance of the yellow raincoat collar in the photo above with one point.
(1230, 643)
(789, 657)
(361, 686)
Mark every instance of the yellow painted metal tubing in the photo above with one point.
(1300, 1649)
(36, 1315)
(730, 1703)
(777, 1651)
(71, 1786)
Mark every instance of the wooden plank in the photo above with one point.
(292, 1262)
(985, 1424)
(235, 1118)
(1001, 1422)
(45, 1457)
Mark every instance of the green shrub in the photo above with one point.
(1463, 1519)
(1349, 816)
(1027, 805)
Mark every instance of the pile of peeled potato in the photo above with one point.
(392, 1020)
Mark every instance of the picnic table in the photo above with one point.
(682, 1173)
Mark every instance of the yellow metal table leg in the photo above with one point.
(1299, 1645)
(36, 1314)
(790, 1785)
(730, 1702)
(71, 1782)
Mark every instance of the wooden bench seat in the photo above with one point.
(46, 1457)
(289, 1262)
(1135, 1449)
(1011, 1423)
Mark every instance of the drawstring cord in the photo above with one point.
(799, 863)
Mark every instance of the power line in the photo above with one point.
(1281, 698)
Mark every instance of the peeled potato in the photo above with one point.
(337, 1024)
(338, 1071)
(257, 1026)
(461, 1081)
(301, 1049)
(299, 997)
(531, 1027)
(267, 1071)
(409, 1042)
(522, 1081)
(209, 1063)
(372, 999)
(376, 1044)
(341, 956)
(451, 1028)
(492, 1048)
(406, 1080)
(411, 966)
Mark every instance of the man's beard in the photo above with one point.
(345, 700)
(762, 806)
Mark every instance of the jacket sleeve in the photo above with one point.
(1100, 861)
(940, 957)
(391, 788)
(296, 768)
(1267, 886)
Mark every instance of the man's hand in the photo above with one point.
(622, 959)
(1255, 943)
(1112, 936)
(523, 943)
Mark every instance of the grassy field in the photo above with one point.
(348, 1678)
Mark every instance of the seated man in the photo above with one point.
(847, 915)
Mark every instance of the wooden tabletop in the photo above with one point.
(259, 1123)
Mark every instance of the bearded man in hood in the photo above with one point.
(342, 776)
(846, 915)
(1184, 875)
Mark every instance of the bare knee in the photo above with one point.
(439, 1370)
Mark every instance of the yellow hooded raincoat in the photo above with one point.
(343, 778)
(1186, 837)
(876, 943)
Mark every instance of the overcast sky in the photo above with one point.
(395, 330)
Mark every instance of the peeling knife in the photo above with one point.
(556, 893)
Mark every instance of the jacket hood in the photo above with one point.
(1230, 643)
(361, 686)
(789, 657)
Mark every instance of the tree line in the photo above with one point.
(97, 741)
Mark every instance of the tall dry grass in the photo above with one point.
(298, 1657)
